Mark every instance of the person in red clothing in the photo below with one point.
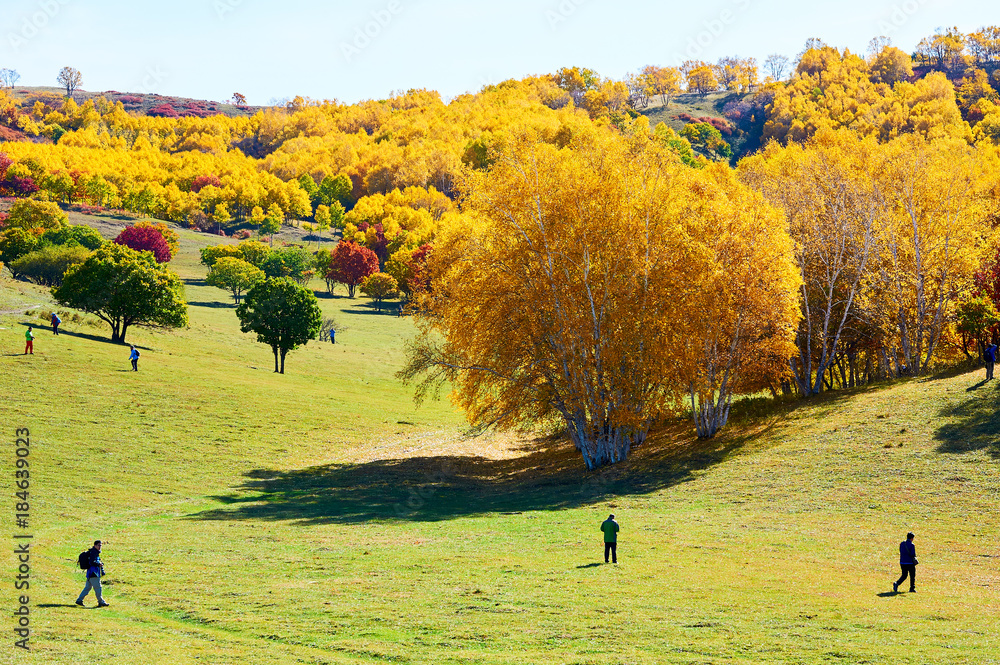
(907, 563)
(29, 342)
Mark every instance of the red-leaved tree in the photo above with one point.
(204, 181)
(988, 279)
(987, 282)
(145, 239)
(421, 280)
(350, 264)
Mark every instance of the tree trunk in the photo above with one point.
(283, 352)
(118, 332)
(601, 444)
(275, 349)
(712, 414)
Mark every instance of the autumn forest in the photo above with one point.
(833, 224)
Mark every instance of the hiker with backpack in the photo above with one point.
(90, 560)
(990, 356)
(134, 357)
(55, 323)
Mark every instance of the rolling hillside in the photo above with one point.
(318, 517)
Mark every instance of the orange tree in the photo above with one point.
(569, 295)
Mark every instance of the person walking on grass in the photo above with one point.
(29, 342)
(55, 323)
(990, 355)
(134, 357)
(908, 564)
(610, 528)
(95, 571)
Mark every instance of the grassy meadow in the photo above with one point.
(319, 517)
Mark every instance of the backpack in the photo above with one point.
(84, 560)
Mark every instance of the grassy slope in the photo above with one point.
(695, 105)
(149, 100)
(318, 517)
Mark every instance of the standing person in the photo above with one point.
(55, 323)
(991, 360)
(908, 564)
(610, 528)
(95, 571)
(29, 342)
(333, 336)
(134, 357)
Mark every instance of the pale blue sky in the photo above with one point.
(212, 48)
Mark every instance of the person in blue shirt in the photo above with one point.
(908, 564)
(990, 355)
(134, 357)
(94, 574)
(55, 323)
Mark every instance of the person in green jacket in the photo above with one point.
(610, 528)
(29, 342)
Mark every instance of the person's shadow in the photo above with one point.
(977, 386)
(591, 565)
(889, 594)
(55, 605)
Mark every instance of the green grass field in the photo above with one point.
(319, 517)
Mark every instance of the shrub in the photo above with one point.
(211, 254)
(172, 237)
(78, 235)
(28, 214)
(145, 239)
(47, 266)
(163, 111)
(292, 262)
(243, 234)
(200, 221)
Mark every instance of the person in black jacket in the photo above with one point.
(94, 574)
(908, 564)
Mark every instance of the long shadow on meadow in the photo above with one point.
(74, 333)
(212, 304)
(975, 422)
(549, 475)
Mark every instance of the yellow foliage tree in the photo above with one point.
(607, 238)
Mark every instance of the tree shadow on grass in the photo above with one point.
(975, 424)
(80, 335)
(951, 371)
(548, 475)
(387, 310)
(213, 304)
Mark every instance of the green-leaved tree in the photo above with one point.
(234, 275)
(283, 314)
(124, 288)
